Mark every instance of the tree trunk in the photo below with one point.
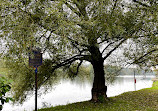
(99, 89)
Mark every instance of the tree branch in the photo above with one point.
(76, 42)
(68, 61)
(107, 46)
(137, 61)
(72, 59)
(114, 49)
(102, 41)
(73, 9)
(140, 3)
(78, 67)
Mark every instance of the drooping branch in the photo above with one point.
(78, 66)
(142, 61)
(140, 58)
(114, 49)
(69, 61)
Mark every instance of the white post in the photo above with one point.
(134, 81)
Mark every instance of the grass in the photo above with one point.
(142, 100)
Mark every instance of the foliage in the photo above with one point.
(147, 50)
(3, 69)
(111, 73)
(23, 77)
(114, 32)
(145, 99)
(4, 88)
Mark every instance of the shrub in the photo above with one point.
(4, 88)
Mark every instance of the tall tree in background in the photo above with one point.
(79, 30)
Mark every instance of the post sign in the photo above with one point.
(35, 59)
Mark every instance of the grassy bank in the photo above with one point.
(142, 100)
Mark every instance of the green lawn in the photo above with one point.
(142, 100)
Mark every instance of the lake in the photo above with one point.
(68, 92)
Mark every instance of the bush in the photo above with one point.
(4, 87)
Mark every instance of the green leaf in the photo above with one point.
(7, 100)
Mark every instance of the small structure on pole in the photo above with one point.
(35, 60)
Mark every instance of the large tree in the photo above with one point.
(79, 30)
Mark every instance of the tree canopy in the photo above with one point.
(114, 32)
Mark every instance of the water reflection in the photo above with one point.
(67, 92)
(126, 83)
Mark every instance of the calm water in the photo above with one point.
(67, 92)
